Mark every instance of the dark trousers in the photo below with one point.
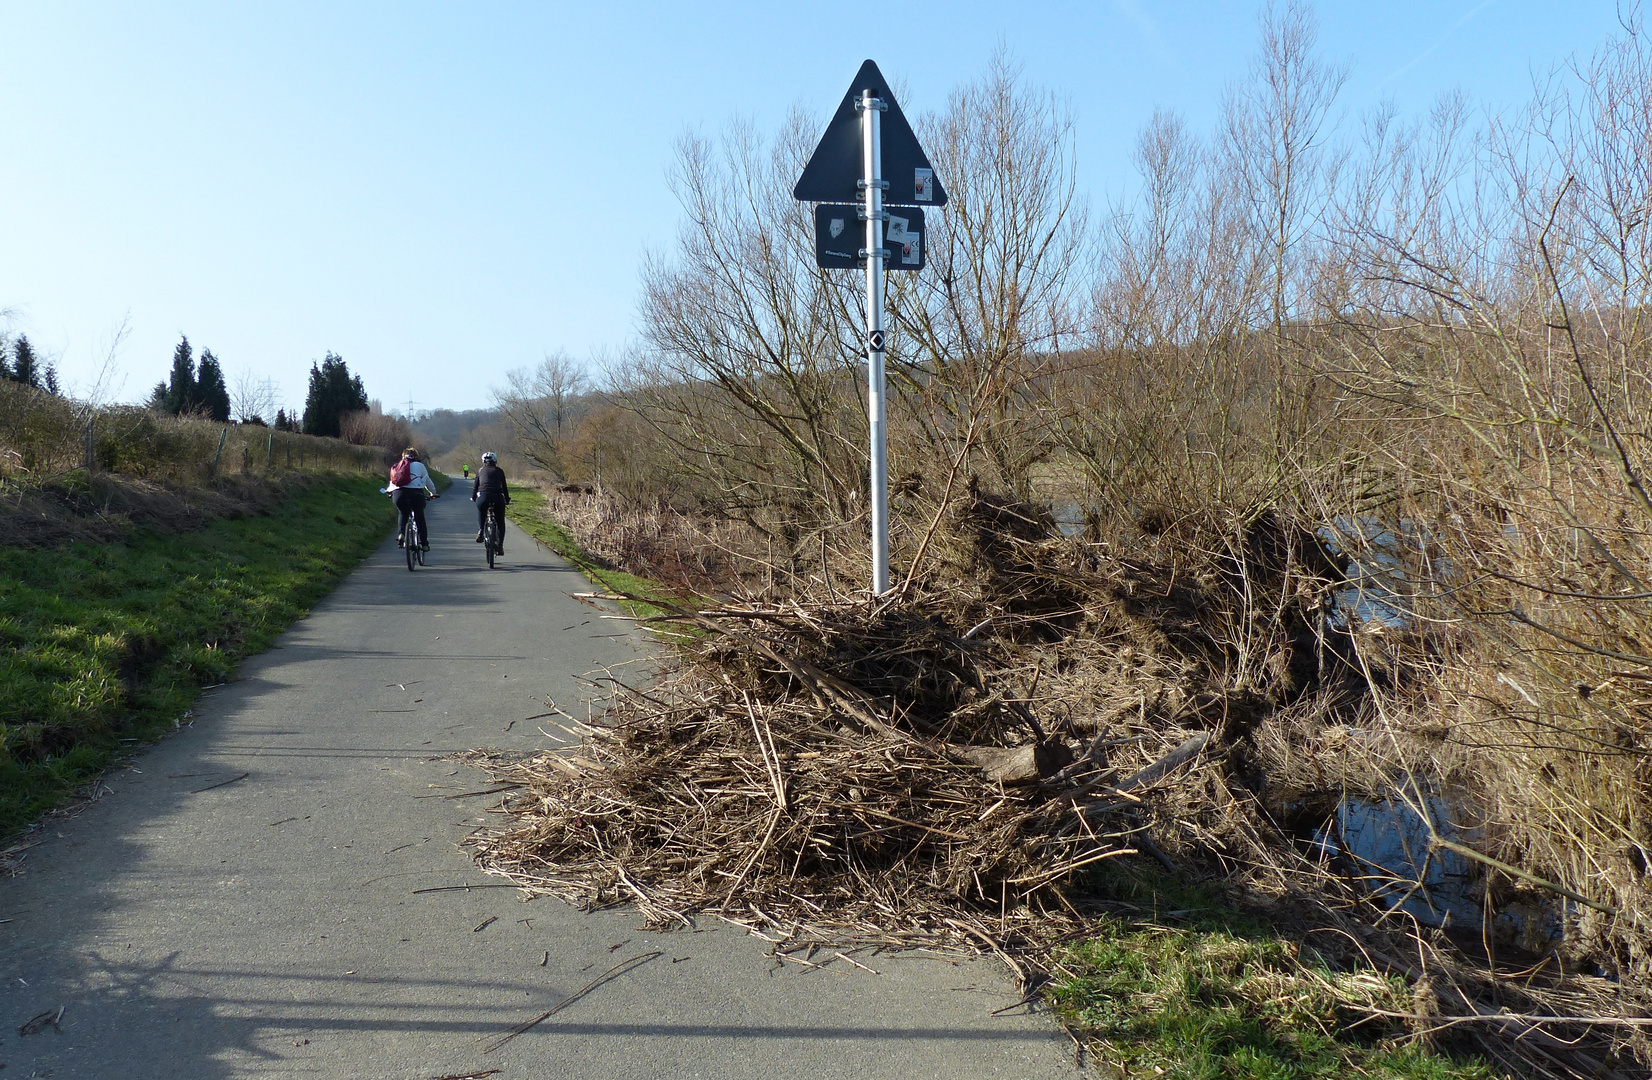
(411, 501)
(496, 504)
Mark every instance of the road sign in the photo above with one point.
(835, 169)
(869, 149)
(840, 237)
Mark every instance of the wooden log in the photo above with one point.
(1026, 764)
(1185, 752)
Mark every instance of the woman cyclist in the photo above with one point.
(410, 486)
(491, 495)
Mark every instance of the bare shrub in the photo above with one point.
(375, 428)
(37, 430)
(540, 406)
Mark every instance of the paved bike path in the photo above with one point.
(246, 900)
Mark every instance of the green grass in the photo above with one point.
(106, 645)
(1197, 991)
(527, 511)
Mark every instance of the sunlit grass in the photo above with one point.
(1197, 991)
(103, 645)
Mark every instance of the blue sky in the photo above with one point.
(443, 192)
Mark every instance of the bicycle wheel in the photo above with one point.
(487, 540)
(411, 537)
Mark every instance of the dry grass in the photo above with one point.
(654, 541)
(43, 436)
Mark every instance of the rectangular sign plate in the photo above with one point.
(840, 237)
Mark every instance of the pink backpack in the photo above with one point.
(401, 473)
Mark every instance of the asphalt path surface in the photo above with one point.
(271, 891)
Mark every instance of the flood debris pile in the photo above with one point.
(949, 765)
(890, 772)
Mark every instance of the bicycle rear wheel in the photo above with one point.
(411, 536)
(487, 540)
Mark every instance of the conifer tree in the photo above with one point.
(333, 392)
(211, 395)
(178, 395)
(25, 367)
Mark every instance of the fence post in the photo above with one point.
(223, 436)
(91, 444)
(269, 456)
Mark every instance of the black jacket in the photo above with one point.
(490, 483)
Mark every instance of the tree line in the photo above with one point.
(20, 364)
(196, 387)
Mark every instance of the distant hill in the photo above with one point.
(444, 429)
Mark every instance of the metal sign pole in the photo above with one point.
(871, 110)
(843, 187)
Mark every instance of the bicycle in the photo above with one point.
(412, 541)
(490, 534)
(409, 536)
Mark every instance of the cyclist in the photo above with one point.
(410, 487)
(491, 495)
(466, 467)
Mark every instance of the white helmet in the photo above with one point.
(490, 458)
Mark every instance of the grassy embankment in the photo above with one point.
(105, 645)
(527, 511)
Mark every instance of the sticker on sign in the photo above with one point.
(904, 241)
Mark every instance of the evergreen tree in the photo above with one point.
(5, 361)
(25, 367)
(333, 392)
(211, 395)
(281, 420)
(49, 382)
(179, 396)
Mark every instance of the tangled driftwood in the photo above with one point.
(945, 767)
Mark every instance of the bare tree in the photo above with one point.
(107, 384)
(1275, 141)
(751, 370)
(977, 330)
(254, 400)
(538, 404)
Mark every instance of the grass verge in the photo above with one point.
(1192, 990)
(104, 645)
(527, 510)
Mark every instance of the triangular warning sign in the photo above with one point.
(837, 164)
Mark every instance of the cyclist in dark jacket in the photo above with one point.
(491, 494)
